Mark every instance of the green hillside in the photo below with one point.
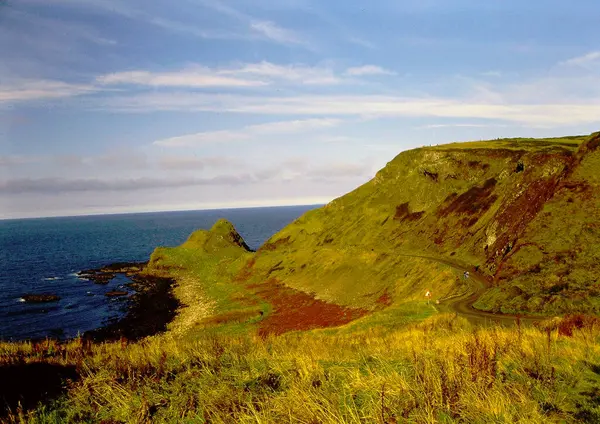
(520, 214)
(328, 321)
(525, 212)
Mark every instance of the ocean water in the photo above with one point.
(44, 255)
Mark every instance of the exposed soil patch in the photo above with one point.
(592, 144)
(475, 201)
(116, 293)
(276, 267)
(294, 310)
(246, 271)
(475, 164)
(432, 175)
(517, 214)
(403, 213)
(31, 383)
(385, 299)
(581, 188)
(274, 245)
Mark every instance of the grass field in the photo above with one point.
(437, 370)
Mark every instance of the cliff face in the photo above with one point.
(525, 212)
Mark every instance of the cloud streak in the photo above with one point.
(583, 61)
(24, 90)
(278, 174)
(248, 132)
(541, 114)
(368, 70)
(276, 33)
(58, 185)
(194, 77)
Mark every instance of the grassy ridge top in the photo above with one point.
(571, 142)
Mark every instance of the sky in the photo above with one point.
(110, 106)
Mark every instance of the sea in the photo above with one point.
(44, 255)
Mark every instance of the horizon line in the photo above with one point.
(98, 214)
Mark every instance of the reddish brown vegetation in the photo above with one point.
(274, 245)
(580, 188)
(517, 214)
(403, 213)
(246, 271)
(579, 322)
(475, 201)
(385, 299)
(475, 164)
(294, 310)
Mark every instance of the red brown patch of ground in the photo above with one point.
(274, 245)
(246, 271)
(294, 310)
(475, 201)
(517, 214)
(385, 299)
(581, 188)
(403, 213)
(475, 164)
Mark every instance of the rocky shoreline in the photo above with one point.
(150, 309)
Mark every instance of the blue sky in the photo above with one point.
(128, 105)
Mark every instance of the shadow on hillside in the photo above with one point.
(28, 384)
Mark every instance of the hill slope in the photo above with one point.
(522, 213)
(525, 212)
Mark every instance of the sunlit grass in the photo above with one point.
(438, 370)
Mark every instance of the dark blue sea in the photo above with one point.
(44, 255)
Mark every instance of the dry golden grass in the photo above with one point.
(439, 370)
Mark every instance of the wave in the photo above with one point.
(52, 278)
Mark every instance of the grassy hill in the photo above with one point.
(328, 322)
(524, 212)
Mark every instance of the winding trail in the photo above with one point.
(463, 304)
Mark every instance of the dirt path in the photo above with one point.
(463, 304)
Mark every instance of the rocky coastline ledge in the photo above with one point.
(151, 307)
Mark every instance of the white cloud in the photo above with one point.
(293, 73)
(276, 33)
(493, 74)
(244, 75)
(584, 60)
(551, 114)
(368, 70)
(178, 162)
(191, 77)
(23, 90)
(433, 126)
(224, 136)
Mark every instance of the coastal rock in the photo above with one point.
(40, 298)
(106, 273)
(116, 293)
